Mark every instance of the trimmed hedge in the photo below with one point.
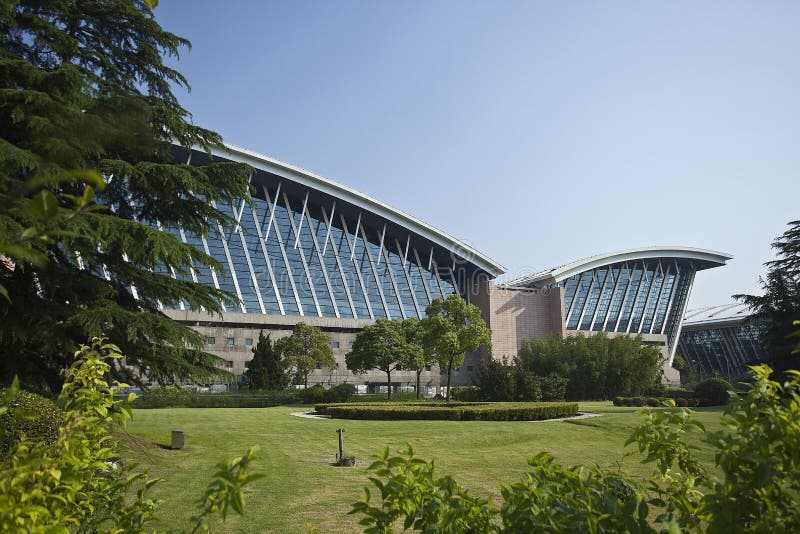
(31, 416)
(190, 399)
(453, 411)
(658, 401)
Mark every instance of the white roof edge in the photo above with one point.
(320, 183)
(565, 271)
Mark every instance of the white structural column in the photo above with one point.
(421, 275)
(660, 297)
(385, 253)
(278, 237)
(672, 293)
(609, 275)
(296, 231)
(322, 265)
(649, 296)
(631, 272)
(374, 270)
(622, 268)
(253, 278)
(263, 243)
(352, 248)
(574, 298)
(345, 280)
(585, 304)
(232, 270)
(407, 274)
(636, 296)
(191, 263)
(674, 341)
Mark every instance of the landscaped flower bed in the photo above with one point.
(454, 411)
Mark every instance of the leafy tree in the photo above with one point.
(84, 92)
(596, 367)
(266, 370)
(452, 329)
(308, 348)
(382, 346)
(417, 357)
(779, 305)
(71, 483)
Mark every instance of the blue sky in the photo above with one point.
(538, 132)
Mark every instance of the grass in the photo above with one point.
(302, 490)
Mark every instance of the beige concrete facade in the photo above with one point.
(513, 314)
(235, 334)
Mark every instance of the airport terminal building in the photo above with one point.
(312, 250)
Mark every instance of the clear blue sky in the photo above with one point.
(538, 132)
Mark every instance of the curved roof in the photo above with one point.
(360, 200)
(724, 313)
(705, 258)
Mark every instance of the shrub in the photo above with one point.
(465, 393)
(458, 411)
(168, 397)
(29, 416)
(755, 452)
(338, 393)
(264, 399)
(653, 401)
(681, 402)
(692, 402)
(312, 395)
(619, 401)
(715, 391)
(554, 388)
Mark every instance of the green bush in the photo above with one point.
(465, 393)
(167, 397)
(402, 396)
(619, 401)
(453, 411)
(29, 416)
(755, 452)
(653, 402)
(339, 393)
(681, 402)
(714, 392)
(264, 399)
(312, 395)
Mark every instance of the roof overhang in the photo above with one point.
(705, 259)
(457, 248)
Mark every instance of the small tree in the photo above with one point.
(452, 329)
(417, 357)
(308, 348)
(382, 346)
(267, 369)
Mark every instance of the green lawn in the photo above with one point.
(301, 489)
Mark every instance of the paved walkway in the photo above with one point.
(581, 415)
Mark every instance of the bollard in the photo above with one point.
(341, 445)
(178, 439)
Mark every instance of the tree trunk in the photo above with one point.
(419, 372)
(305, 380)
(449, 375)
(389, 383)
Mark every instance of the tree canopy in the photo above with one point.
(384, 346)
(267, 369)
(452, 329)
(306, 349)
(779, 306)
(83, 86)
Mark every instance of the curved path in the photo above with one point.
(581, 415)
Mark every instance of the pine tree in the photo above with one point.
(83, 86)
(779, 306)
(267, 370)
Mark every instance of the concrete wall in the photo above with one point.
(243, 326)
(513, 314)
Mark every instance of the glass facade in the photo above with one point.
(645, 296)
(289, 256)
(725, 349)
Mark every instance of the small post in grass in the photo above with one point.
(178, 439)
(340, 431)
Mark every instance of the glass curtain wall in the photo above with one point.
(289, 256)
